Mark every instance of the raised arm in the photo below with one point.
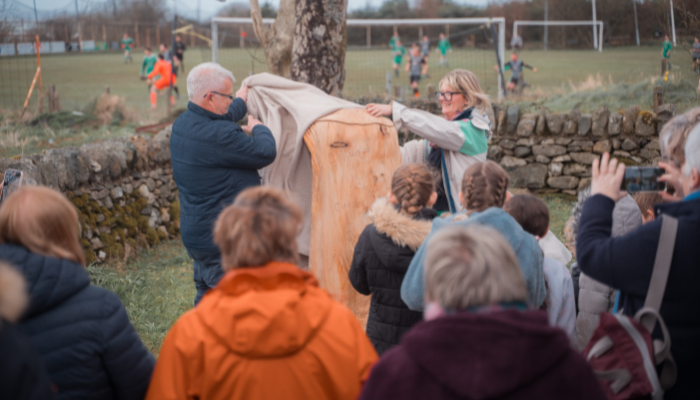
(446, 134)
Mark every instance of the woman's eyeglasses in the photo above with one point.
(220, 94)
(445, 95)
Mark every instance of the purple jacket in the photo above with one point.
(502, 355)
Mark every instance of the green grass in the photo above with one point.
(585, 76)
(157, 287)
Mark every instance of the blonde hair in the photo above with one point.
(472, 266)
(42, 220)
(467, 84)
(484, 185)
(260, 227)
(675, 133)
(412, 184)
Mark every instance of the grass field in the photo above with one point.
(157, 287)
(563, 77)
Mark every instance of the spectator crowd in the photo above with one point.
(472, 295)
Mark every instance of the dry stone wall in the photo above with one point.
(123, 189)
(553, 152)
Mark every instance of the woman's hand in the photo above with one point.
(672, 177)
(379, 110)
(607, 178)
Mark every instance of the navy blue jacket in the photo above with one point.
(81, 332)
(22, 375)
(214, 160)
(626, 263)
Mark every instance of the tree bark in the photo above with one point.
(320, 40)
(277, 40)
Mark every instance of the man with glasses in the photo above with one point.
(213, 160)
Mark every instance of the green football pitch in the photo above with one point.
(79, 77)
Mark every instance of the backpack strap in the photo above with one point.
(662, 266)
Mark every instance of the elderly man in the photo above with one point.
(627, 262)
(214, 160)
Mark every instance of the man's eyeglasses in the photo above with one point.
(445, 95)
(220, 94)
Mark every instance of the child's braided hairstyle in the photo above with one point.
(412, 184)
(484, 185)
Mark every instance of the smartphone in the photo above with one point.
(643, 179)
(11, 182)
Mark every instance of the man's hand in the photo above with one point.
(534, 70)
(242, 93)
(379, 110)
(252, 122)
(607, 178)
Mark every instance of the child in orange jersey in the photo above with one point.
(165, 70)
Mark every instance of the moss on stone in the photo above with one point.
(174, 211)
(132, 243)
(152, 237)
(142, 223)
(107, 239)
(162, 235)
(115, 251)
(90, 257)
(94, 207)
(171, 228)
(84, 243)
(79, 203)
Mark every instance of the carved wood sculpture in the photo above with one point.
(353, 157)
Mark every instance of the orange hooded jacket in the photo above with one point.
(264, 333)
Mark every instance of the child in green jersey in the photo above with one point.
(149, 61)
(399, 51)
(666, 53)
(444, 47)
(126, 45)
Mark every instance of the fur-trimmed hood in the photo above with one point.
(13, 294)
(401, 228)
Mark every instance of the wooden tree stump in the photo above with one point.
(353, 158)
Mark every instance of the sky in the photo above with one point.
(209, 7)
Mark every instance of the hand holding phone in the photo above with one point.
(607, 175)
(643, 179)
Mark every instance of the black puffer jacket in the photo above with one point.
(382, 256)
(82, 332)
(22, 375)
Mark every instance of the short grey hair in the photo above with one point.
(206, 77)
(692, 151)
(472, 266)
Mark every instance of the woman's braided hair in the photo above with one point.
(484, 185)
(412, 184)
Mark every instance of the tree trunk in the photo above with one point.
(320, 39)
(277, 40)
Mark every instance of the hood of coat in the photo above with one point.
(397, 236)
(263, 312)
(13, 295)
(487, 355)
(50, 281)
(626, 216)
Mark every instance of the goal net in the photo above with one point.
(374, 63)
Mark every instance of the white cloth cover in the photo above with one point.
(289, 108)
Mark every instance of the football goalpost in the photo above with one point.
(369, 60)
(599, 24)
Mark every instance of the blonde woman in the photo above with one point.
(480, 340)
(81, 332)
(451, 143)
(267, 330)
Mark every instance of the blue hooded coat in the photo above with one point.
(524, 245)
